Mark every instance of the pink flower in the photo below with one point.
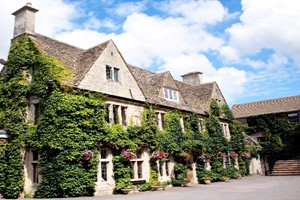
(128, 154)
(86, 156)
(233, 154)
(159, 154)
(247, 154)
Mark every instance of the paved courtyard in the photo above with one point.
(247, 188)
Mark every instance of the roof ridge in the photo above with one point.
(266, 100)
(70, 45)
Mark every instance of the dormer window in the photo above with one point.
(171, 95)
(112, 74)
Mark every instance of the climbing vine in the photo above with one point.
(71, 127)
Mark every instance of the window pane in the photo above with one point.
(107, 113)
(35, 174)
(104, 171)
(140, 169)
(132, 170)
(35, 155)
(115, 113)
(123, 113)
(103, 153)
(108, 72)
(36, 113)
(170, 94)
(167, 168)
(160, 168)
(166, 92)
(116, 75)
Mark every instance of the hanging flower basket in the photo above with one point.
(128, 154)
(233, 154)
(86, 156)
(159, 154)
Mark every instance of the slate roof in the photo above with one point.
(194, 98)
(77, 59)
(279, 105)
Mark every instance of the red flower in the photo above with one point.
(159, 154)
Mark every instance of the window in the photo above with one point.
(112, 73)
(162, 116)
(34, 163)
(115, 114)
(160, 168)
(137, 166)
(104, 164)
(163, 168)
(116, 75)
(123, 115)
(107, 113)
(171, 95)
(167, 163)
(108, 73)
(293, 117)
(225, 129)
(140, 169)
(201, 126)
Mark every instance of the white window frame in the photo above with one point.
(171, 95)
(104, 160)
(135, 167)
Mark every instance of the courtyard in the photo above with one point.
(250, 187)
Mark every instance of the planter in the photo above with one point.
(128, 191)
(156, 188)
(187, 184)
(225, 179)
(207, 181)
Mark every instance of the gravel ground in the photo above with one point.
(247, 188)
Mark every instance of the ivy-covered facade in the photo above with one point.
(84, 122)
(274, 123)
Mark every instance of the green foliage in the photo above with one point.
(70, 123)
(121, 172)
(216, 141)
(214, 108)
(280, 134)
(193, 139)
(180, 171)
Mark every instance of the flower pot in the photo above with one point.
(156, 188)
(128, 191)
(206, 181)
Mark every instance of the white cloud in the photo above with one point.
(156, 38)
(125, 9)
(270, 24)
(55, 15)
(83, 38)
(199, 12)
(229, 54)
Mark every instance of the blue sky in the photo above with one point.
(249, 47)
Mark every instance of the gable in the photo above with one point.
(217, 95)
(117, 81)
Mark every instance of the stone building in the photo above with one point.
(285, 162)
(128, 88)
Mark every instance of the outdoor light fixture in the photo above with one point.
(4, 134)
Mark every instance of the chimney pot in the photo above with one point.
(192, 78)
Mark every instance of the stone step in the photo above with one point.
(286, 168)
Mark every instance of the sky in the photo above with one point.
(251, 48)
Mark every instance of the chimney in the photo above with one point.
(24, 20)
(192, 78)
